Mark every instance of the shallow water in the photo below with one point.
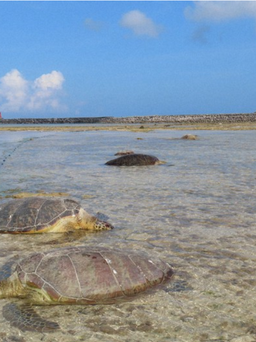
(196, 212)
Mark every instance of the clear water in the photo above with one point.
(196, 212)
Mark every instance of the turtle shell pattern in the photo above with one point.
(133, 160)
(35, 213)
(83, 275)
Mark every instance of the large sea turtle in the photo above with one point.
(135, 159)
(77, 275)
(41, 215)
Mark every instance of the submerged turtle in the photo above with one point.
(135, 159)
(41, 215)
(77, 275)
(189, 137)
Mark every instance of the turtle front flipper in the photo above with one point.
(25, 318)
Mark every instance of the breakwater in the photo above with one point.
(177, 119)
(47, 121)
(180, 119)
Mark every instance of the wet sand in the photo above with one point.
(217, 126)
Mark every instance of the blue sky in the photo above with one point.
(127, 58)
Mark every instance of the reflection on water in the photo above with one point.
(196, 212)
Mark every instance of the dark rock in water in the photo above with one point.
(123, 153)
(134, 160)
(190, 137)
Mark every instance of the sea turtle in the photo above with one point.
(77, 275)
(40, 215)
(189, 137)
(123, 153)
(135, 159)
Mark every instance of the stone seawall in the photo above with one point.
(178, 119)
(47, 121)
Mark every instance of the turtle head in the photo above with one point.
(87, 221)
(102, 225)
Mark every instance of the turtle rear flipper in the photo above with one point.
(7, 269)
(25, 318)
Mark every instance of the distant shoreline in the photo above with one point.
(243, 121)
(195, 118)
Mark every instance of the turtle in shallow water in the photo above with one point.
(77, 275)
(135, 159)
(189, 137)
(41, 215)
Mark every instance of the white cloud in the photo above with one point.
(13, 90)
(54, 80)
(18, 94)
(140, 24)
(45, 91)
(219, 11)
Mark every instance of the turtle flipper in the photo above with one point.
(67, 237)
(7, 269)
(25, 318)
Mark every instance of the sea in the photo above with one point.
(197, 211)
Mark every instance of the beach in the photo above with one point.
(159, 245)
(196, 212)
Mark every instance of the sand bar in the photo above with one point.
(135, 124)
